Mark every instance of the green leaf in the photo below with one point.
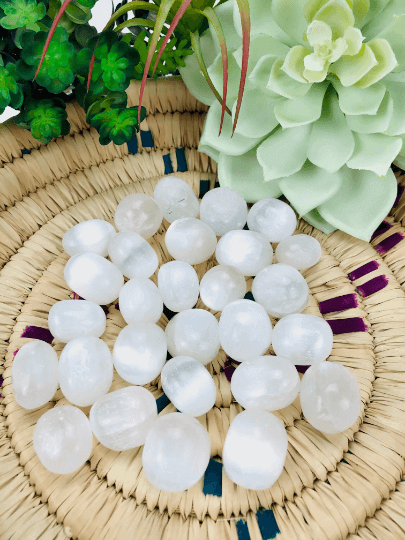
(284, 85)
(10, 91)
(256, 117)
(394, 34)
(317, 221)
(117, 125)
(47, 119)
(386, 63)
(22, 13)
(305, 110)
(397, 124)
(288, 14)
(374, 152)
(373, 123)
(353, 100)
(350, 69)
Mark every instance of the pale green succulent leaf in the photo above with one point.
(313, 76)
(318, 32)
(383, 19)
(373, 123)
(353, 100)
(317, 221)
(260, 75)
(216, 73)
(350, 69)
(225, 15)
(284, 85)
(386, 63)
(289, 16)
(305, 110)
(354, 40)
(360, 10)
(260, 45)
(312, 7)
(337, 15)
(256, 116)
(374, 152)
(400, 159)
(294, 63)
(375, 7)
(397, 92)
(395, 35)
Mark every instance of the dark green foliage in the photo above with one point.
(46, 119)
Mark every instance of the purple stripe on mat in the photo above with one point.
(338, 303)
(229, 372)
(372, 286)
(302, 369)
(36, 332)
(388, 243)
(399, 195)
(117, 306)
(363, 270)
(15, 352)
(382, 228)
(1, 382)
(346, 326)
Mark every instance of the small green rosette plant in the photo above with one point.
(323, 112)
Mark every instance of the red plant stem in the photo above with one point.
(245, 20)
(91, 68)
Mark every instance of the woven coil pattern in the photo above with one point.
(344, 486)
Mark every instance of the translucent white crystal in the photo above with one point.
(93, 278)
(190, 240)
(266, 382)
(34, 374)
(188, 385)
(300, 251)
(193, 332)
(224, 210)
(70, 319)
(121, 420)
(139, 213)
(248, 251)
(63, 439)
(90, 236)
(133, 255)
(85, 370)
(140, 300)
(303, 339)
(244, 330)
(176, 199)
(140, 352)
(281, 290)
(178, 284)
(176, 452)
(273, 218)
(255, 449)
(222, 285)
(330, 397)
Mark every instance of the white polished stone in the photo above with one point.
(244, 330)
(85, 370)
(93, 278)
(248, 251)
(222, 285)
(195, 333)
(281, 290)
(255, 449)
(140, 352)
(224, 210)
(140, 300)
(63, 439)
(34, 374)
(300, 251)
(273, 218)
(121, 420)
(266, 382)
(330, 397)
(303, 339)
(70, 319)
(176, 452)
(176, 199)
(133, 255)
(190, 240)
(188, 385)
(178, 284)
(139, 213)
(90, 236)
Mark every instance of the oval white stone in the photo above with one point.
(190, 240)
(188, 385)
(176, 199)
(34, 374)
(224, 210)
(63, 439)
(133, 255)
(140, 300)
(121, 420)
(93, 278)
(255, 449)
(176, 452)
(90, 236)
(139, 213)
(85, 370)
(300, 251)
(178, 285)
(222, 285)
(70, 319)
(273, 218)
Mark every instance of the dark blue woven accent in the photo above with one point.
(246, 228)
(213, 479)
(243, 531)
(133, 146)
(168, 356)
(204, 188)
(25, 151)
(249, 296)
(168, 164)
(147, 139)
(169, 314)
(216, 184)
(267, 524)
(181, 160)
(162, 402)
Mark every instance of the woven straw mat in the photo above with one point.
(344, 486)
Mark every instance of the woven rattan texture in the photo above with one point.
(345, 486)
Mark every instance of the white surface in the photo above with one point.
(90, 236)
(178, 285)
(222, 285)
(300, 251)
(140, 300)
(133, 255)
(176, 199)
(70, 319)
(224, 210)
(248, 251)
(139, 213)
(273, 218)
(190, 240)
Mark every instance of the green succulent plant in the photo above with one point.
(10, 92)
(46, 119)
(115, 124)
(22, 13)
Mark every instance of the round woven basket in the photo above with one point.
(344, 486)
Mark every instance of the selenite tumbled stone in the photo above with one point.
(140, 352)
(34, 375)
(300, 251)
(140, 300)
(303, 339)
(63, 439)
(93, 278)
(121, 420)
(222, 285)
(281, 290)
(176, 199)
(90, 236)
(176, 452)
(133, 255)
(330, 397)
(85, 370)
(248, 251)
(266, 382)
(255, 449)
(70, 319)
(224, 210)
(188, 385)
(193, 332)
(244, 330)
(139, 213)
(178, 284)
(190, 240)
(273, 218)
